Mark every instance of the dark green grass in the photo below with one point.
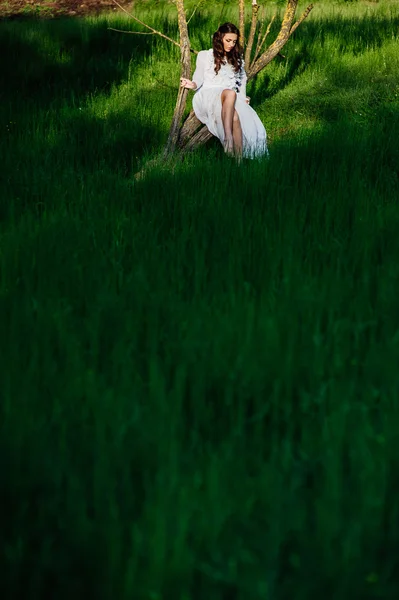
(199, 371)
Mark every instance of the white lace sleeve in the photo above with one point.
(199, 72)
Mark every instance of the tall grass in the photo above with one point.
(199, 371)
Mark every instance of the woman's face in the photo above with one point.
(229, 41)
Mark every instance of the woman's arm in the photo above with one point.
(199, 73)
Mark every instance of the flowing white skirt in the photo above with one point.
(207, 105)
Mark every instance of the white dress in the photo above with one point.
(207, 103)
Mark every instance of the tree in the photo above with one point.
(192, 134)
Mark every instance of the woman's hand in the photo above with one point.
(247, 99)
(186, 83)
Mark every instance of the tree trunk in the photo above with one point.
(186, 72)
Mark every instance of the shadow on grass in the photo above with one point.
(67, 58)
(140, 251)
(354, 34)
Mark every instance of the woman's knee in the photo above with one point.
(228, 95)
(236, 118)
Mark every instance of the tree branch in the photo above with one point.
(301, 18)
(153, 31)
(195, 10)
(132, 32)
(241, 19)
(260, 45)
(185, 72)
(282, 38)
(254, 21)
(261, 22)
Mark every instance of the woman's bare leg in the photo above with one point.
(228, 108)
(237, 135)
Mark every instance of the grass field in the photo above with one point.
(199, 370)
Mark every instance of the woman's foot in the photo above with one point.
(238, 156)
(229, 146)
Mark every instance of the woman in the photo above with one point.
(220, 100)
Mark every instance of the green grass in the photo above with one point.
(199, 371)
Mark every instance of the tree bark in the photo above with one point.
(241, 21)
(280, 41)
(185, 72)
(301, 19)
(189, 128)
(201, 137)
(261, 42)
(254, 22)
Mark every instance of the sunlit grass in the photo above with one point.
(199, 370)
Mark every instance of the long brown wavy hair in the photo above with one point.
(235, 56)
